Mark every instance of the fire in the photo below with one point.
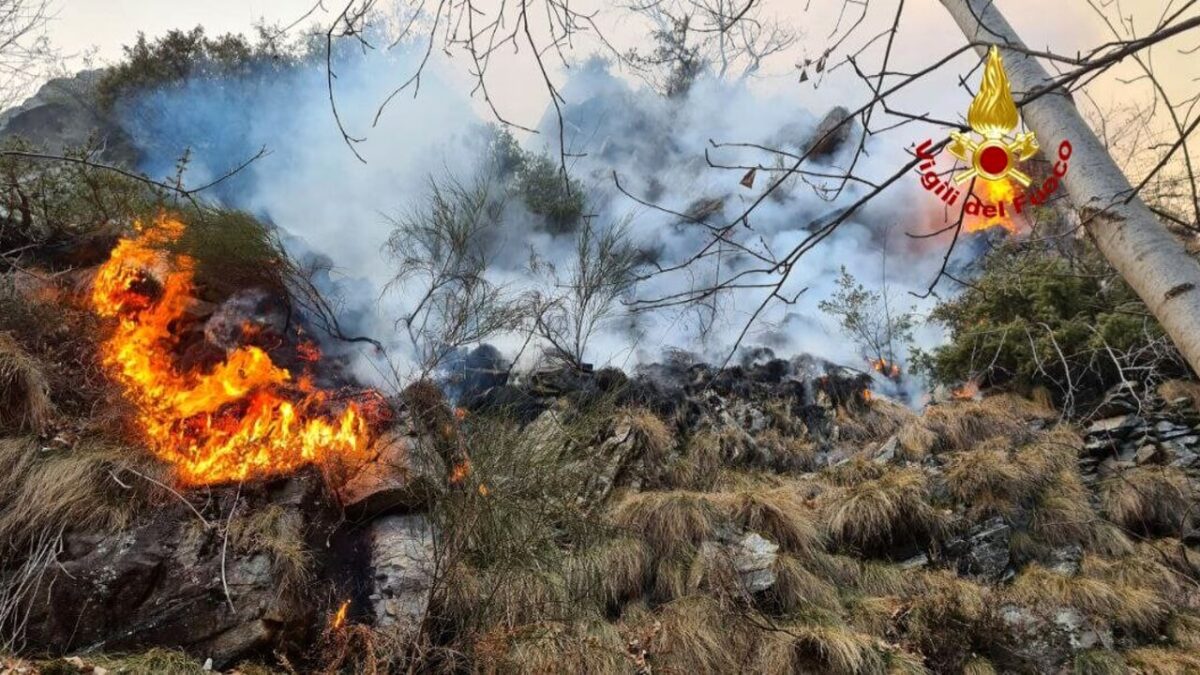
(339, 618)
(889, 369)
(459, 472)
(867, 396)
(245, 417)
(967, 392)
(995, 192)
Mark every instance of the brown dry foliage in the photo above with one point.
(25, 403)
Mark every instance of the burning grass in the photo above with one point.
(244, 417)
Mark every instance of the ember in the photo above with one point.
(246, 416)
(889, 369)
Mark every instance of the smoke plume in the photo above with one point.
(328, 203)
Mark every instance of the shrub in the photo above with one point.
(1035, 317)
(66, 213)
(179, 55)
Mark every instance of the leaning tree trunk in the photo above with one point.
(1150, 258)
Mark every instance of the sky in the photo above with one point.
(97, 29)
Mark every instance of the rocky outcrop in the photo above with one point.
(403, 565)
(174, 580)
(1133, 430)
(64, 115)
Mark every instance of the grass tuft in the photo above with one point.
(25, 403)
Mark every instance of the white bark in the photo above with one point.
(1151, 259)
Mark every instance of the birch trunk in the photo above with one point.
(1151, 259)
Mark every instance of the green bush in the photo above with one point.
(234, 251)
(179, 55)
(1036, 317)
(537, 180)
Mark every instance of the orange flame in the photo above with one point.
(339, 618)
(245, 417)
(459, 472)
(967, 392)
(994, 192)
(886, 368)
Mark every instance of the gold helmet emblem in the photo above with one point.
(993, 116)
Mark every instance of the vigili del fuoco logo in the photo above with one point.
(992, 156)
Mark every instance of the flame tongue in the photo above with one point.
(239, 420)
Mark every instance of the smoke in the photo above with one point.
(329, 204)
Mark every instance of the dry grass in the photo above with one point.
(1099, 662)
(789, 454)
(1163, 661)
(609, 573)
(1036, 487)
(668, 521)
(278, 532)
(697, 637)
(1175, 389)
(588, 646)
(916, 441)
(961, 425)
(798, 589)
(978, 665)
(1148, 500)
(152, 662)
(1100, 590)
(779, 514)
(987, 480)
(874, 422)
(700, 463)
(821, 647)
(1060, 513)
(652, 433)
(25, 403)
(874, 515)
(55, 489)
(855, 470)
(943, 605)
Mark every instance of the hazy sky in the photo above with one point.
(100, 27)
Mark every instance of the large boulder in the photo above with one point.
(173, 581)
(403, 567)
(64, 114)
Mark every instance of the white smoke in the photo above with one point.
(331, 204)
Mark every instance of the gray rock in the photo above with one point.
(401, 478)
(1120, 426)
(1047, 642)
(168, 581)
(986, 554)
(828, 136)
(754, 560)
(1149, 454)
(402, 570)
(887, 452)
(63, 114)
